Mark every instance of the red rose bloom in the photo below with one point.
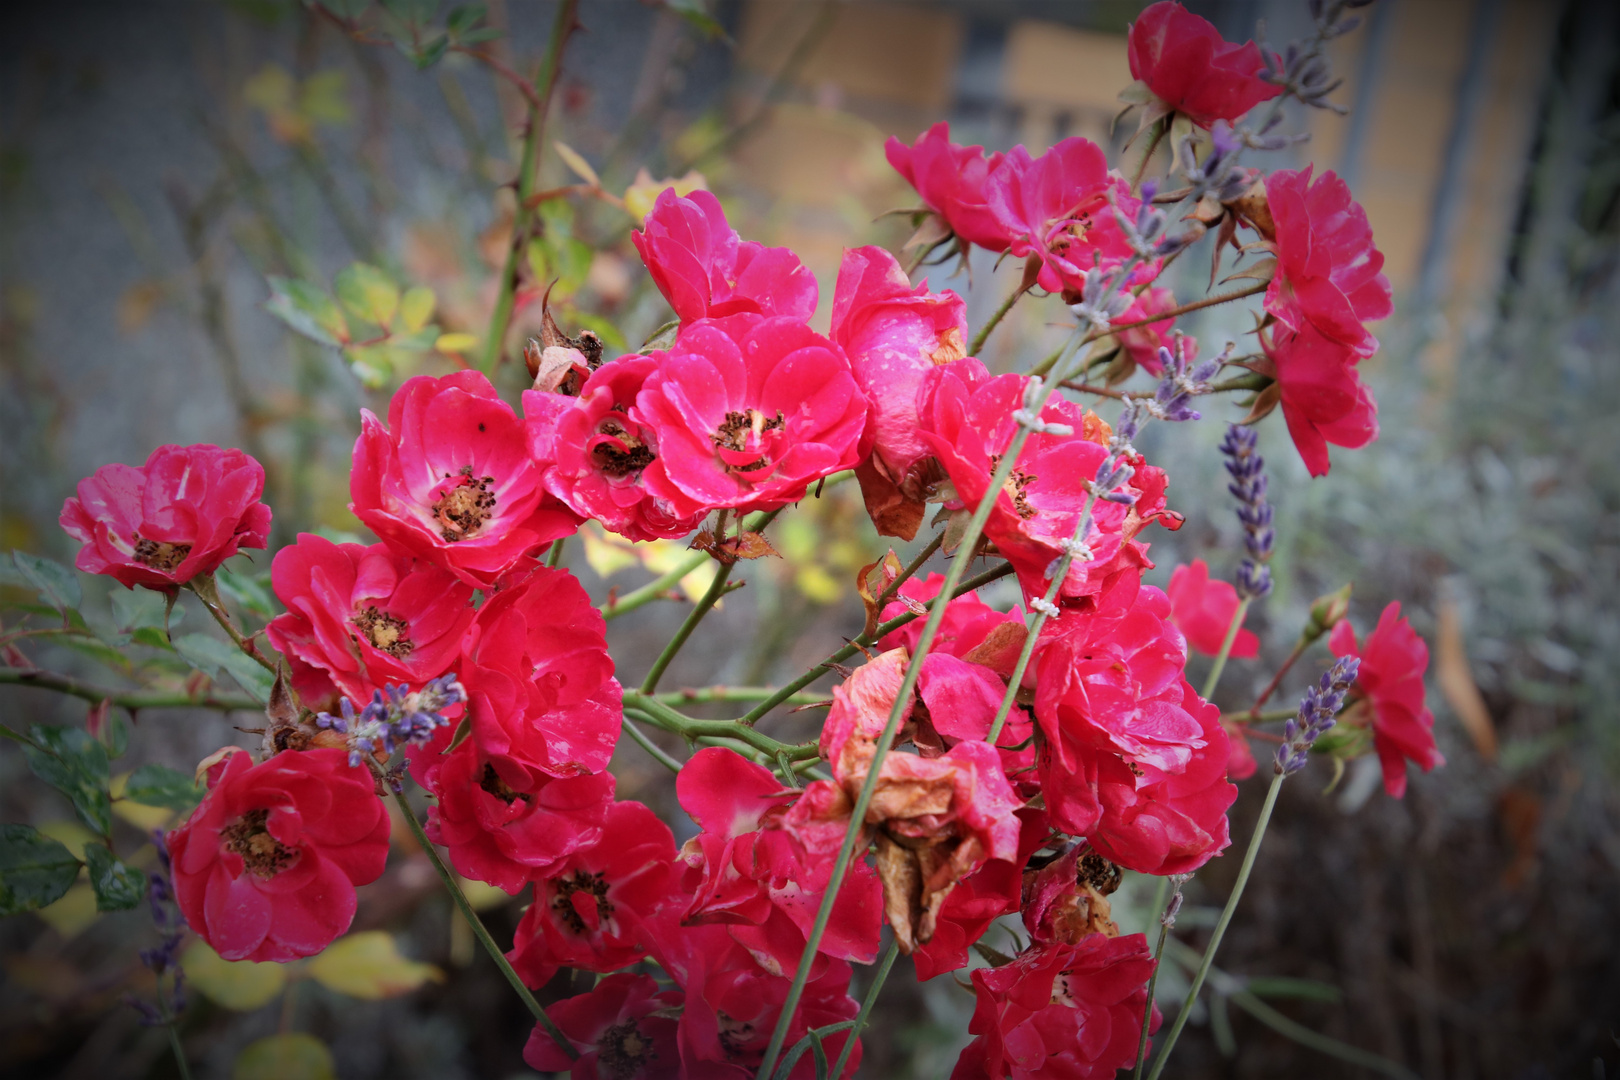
(1192, 69)
(1202, 610)
(359, 618)
(894, 334)
(732, 1005)
(979, 899)
(748, 413)
(590, 910)
(706, 271)
(1060, 1012)
(450, 479)
(1323, 399)
(745, 871)
(1393, 660)
(501, 834)
(1329, 274)
(621, 1029)
(265, 868)
(967, 419)
(1055, 208)
(542, 696)
(953, 181)
(1133, 759)
(188, 509)
(596, 454)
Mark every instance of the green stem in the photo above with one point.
(892, 590)
(477, 925)
(1001, 312)
(124, 699)
(1276, 680)
(1220, 927)
(545, 80)
(936, 616)
(1196, 305)
(732, 693)
(1219, 666)
(655, 590)
(651, 747)
(206, 591)
(661, 715)
(1160, 898)
(878, 978)
(754, 715)
(693, 617)
(179, 1051)
(554, 556)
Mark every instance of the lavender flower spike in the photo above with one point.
(398, 715)
(1248, 471)
(1318, 711)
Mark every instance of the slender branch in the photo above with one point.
(179, 1051)
(1159, 900)
(892, 590)
(1249, 716)
(717, 587)
(651, 747)
(657, 713)
(554, 556)
(936, 616)
(125, 699)
(1219, 666)
(1276, 680)
(544, 81)
(206, 591)
(477, 925)
(703, 694)
(655, 590)
(752, 716)
(1220, 926)
(878, 978)
(1001, 312)
(516, 80)
(1196, 305)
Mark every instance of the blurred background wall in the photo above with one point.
(158, 160)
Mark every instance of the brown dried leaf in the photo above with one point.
(1000, 648)
(748, 545)
(1264, 402)
(870, 581)
(1264, 270)
(1457, 682)
(893, 512)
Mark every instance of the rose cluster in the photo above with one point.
(1031, 761)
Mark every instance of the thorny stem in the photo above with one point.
(203, 586)
(661, 715)
(753, 715)
(699, 695)
(1219, 666)
(1220, 927)
(1036, 621)
(1001, 312)
(477, 925)
(544, 81)
(892, 590)
(936, 616)
(554, 556)
(878, 978)
(124, 699)
(1160, 899)
(717, 587)
(1276, 680)
(1195, 305)
(651, 747)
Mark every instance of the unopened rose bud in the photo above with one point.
(1326, 611)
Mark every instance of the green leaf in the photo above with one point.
(697, 16)
(136, 608)
(212, 656)
(118, 888)
(159, 785)
(74, 763)
(34, 869)
(282, 1056)
(367, 292)
(431, 53)
(97, 650)
(464, 18)
(416, 308)
(483, 33)
(368, 965)
(152, 636)
(249, 591)
(115, 735)
(307, 309)
(58, 586)
(373, 365)
(241, 985)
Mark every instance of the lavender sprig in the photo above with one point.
(1248, 471)
(1182, 381)
(1318, 711)
(395, 716)
(165, 958)
(1101, 299)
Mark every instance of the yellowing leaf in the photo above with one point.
(640, 195)
(367, 292)
(144, 818)
(662, 556)
(241, 984)
(416, 308)
(322, 99)
(270, 90)
(285, 1057)
(581, 167)
(71, 914)
(369, 965)
(70, 834)
(818, 585)
(455, 343)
